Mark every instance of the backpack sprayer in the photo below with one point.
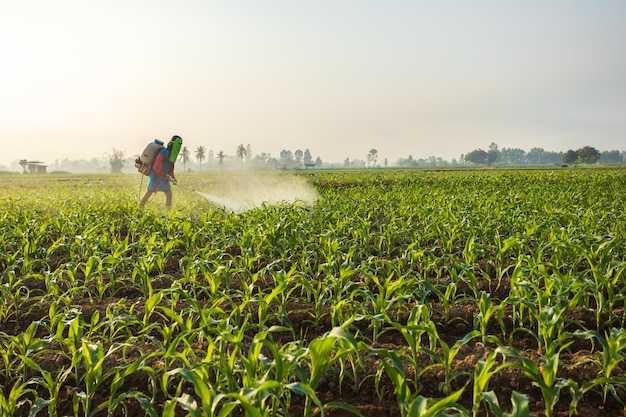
(145, 162)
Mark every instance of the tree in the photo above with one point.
(493, 154)
(372, 156)
(24, 164)
(308, 159)
(184, 154)
(570, 157)
(261, 159)
(220, 159)
(241, 153)
(588, 155)
(116, 160)
(200, 155)
(477, 156)
(286, 157)
(298, 154)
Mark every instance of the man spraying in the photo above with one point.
(162, 172)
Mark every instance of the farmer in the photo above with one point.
(162, 172)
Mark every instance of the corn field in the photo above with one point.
(398, 293)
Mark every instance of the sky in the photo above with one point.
(420, 78)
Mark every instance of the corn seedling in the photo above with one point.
(483, 372)
(446, 356)
(545, 378)
(613, 353)
(519, 401)
(20, 395)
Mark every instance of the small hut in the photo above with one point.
(33, 167)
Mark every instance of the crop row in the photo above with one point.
(390, 282)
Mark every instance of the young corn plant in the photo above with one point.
(339, 285)
(545, 378)
(606, 272)
(13, 293)
(484, 370)
(613, 353)
(486, 310)
(520, 406)
(470, 255)
(412, 404)
(93, 356)
(546, 306)
(259, 367)
(254, 399)
(324, 352)
(412, 332)
(429, 407)
(444, 358)
(447, 297)
(212, 401)
(214, 274)
(291, 283)
(69, 333)
(20, 352)
(396, 372)
(120, 323)
(388, 295)
(53, 383)
(502, 258)
(463, 273)
(18, 398)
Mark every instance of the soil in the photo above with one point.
(370, 400)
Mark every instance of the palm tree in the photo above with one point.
(184, 153)
(220, 158)
(200, 155)
(242, 152)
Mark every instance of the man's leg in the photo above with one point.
(145, 198)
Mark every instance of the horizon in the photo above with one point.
(231, 160)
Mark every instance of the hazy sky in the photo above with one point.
(340, 77)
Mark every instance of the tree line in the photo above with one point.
(117, 160)
(539, 156)
(287, 158)
(304, 159)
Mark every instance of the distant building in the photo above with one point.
(33, 167)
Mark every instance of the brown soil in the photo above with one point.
(369, 400)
